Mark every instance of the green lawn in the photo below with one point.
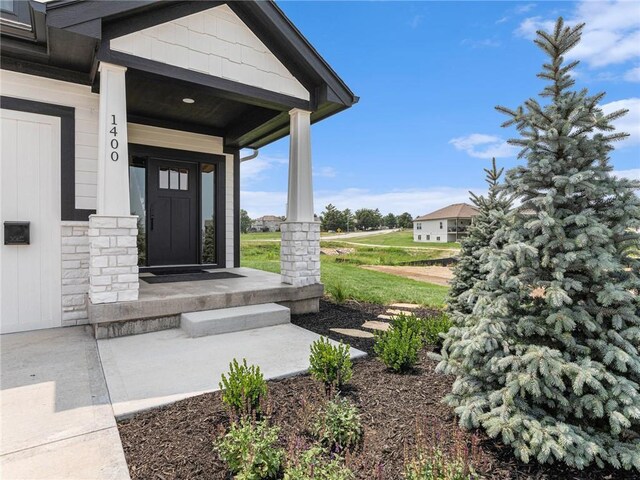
(402, 238)
(344, 273)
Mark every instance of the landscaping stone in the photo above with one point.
(408, 306)
(352, 332)
(391, 311)
(384, 317)
(374, 325)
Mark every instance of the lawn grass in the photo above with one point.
(403, 238)
(344, 273)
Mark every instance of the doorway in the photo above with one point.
(179, 199)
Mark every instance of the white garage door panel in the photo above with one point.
(30, 282)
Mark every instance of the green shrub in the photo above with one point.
(399, 346)
(243, 389)
(433, 327)
(249, 450)
(337, 425)
(331, 364)
(436, 467)
(338, 292)
(313, 465)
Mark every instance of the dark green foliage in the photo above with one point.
(243, 388)
(405, 220)
(209, 242)
(329, 363)
(390, 220)
(548, 360)
(368, 219)
(337, 425)
(250, 450)
(313, 464)
(434, 327)
(338, 292)
(399, 346)
(245, 221)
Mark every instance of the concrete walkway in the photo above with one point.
(55, 417)
(146, 371)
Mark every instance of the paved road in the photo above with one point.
(341, 236)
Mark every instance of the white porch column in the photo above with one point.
(300, 245)
(113, 151)
(113, 268)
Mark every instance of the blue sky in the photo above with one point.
(429, 75)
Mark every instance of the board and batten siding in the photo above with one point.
(86, 104)
(215, 42)
(193, 142)
(30, 286)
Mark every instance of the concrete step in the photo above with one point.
(235, 319)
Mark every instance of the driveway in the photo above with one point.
(56, 419)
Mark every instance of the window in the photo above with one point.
(428, 237)
(208, 213)
(418, 226)
(438, 238)
(440, 225)
(6, 5)
(419, 237)
(173, 178)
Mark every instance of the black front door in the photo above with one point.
(172, 213)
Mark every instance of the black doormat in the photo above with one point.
(190, 277)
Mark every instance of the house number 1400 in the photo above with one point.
(114, 141)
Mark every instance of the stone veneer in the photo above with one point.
(75, 272)
(113, 272)
(300, 253)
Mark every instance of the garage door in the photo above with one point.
(30, 283)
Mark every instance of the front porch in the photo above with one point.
(159, 305)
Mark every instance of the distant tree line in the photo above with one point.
(345, 220)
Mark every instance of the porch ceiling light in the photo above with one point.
(188, 100)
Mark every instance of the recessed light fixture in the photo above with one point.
(188, 100)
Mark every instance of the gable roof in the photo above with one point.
(457, 210)
(70, 37)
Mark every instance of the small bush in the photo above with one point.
(338, 292)
(399, 346)
(436, 467)
(338, 425)
(249, 450)
(331, 364)
(313, 465)
(243, 389)
(433, 327)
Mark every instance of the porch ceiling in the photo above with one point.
(154, 99)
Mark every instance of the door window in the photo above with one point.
(173, 178)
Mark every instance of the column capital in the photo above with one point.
(299, 111)
(111, 66)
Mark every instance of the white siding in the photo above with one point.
(42, 89)
(430, 228)
(214, 42)
(194, 142)
(30, 275)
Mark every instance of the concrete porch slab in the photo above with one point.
(153, 369)
(52, 396)
(170, 299)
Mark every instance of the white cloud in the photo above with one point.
(416, 202)
(632, 75)
(415, 21)
(631, 174)
(525, 8)
(630, 123)
(611, 34)
(326, 172)
(255, 170)
(484, 43)
(479, 145)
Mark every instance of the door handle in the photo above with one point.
(151, 223)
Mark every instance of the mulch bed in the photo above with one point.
(176, 441)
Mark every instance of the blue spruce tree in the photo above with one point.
(549, 362)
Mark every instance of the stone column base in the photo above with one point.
(300, 253)
(113, 265)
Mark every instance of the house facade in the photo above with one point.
(448, 224)
(122, 125)
(266, 223)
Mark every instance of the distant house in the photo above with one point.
(268, 223)
(449, 224)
